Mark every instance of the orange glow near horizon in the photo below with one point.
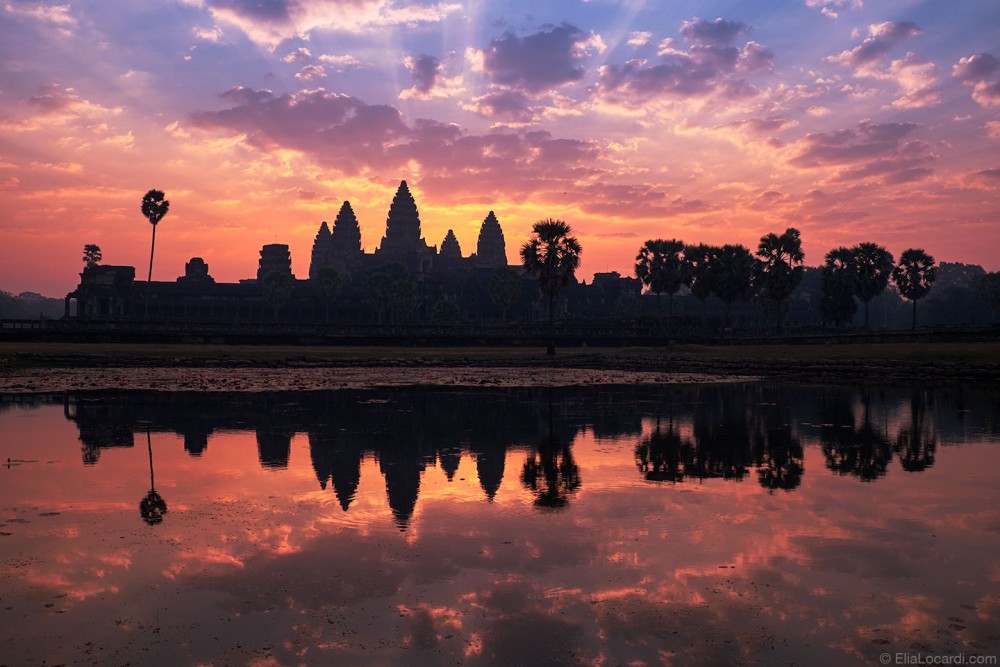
(851, 122)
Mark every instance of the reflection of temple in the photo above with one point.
(444, 276)
(678, 433)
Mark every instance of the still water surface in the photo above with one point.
(704, 524)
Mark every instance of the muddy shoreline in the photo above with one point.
(99, 373)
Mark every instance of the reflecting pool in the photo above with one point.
(681, 524)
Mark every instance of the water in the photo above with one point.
(706, 524)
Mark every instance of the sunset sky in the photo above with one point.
(705, 121)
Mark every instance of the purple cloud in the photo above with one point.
(343, 133)
(718, 32)
(535, 63)
(509, 105)
(881, 38)
(425, 71)
(976, 71)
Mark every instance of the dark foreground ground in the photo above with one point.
(61, 366)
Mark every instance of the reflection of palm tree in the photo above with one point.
(152, 507)
(916, 448)
(550, 472)
(779, 454)
(664, 457)
(859, 451)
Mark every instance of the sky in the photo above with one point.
(715, 122)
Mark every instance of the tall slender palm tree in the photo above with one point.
(732, 274)
(700, 260)
(552, 257)
(154, 207)
(840, 274)
(780, 270)
(660, 267)
(874, 265)
(913, 276)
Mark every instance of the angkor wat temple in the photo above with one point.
(405, 280)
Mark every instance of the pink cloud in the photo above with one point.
(881, 38)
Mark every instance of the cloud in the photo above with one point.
(425, 71)
(881, 38)
(344, 134)
(977, 71)
(639, 38)
(57, 14)
(918, 80)
(429, 79)
(339, 63)
(703, 70)
(504, 105)
(311, 73)
(55, 105)
(270, 22)
(880, 151)
(831, 8)
(719, 31)
(213, 34)
(539, 62)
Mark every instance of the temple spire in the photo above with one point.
(491, 249)
(450, 249)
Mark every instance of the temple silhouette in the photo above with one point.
(404, 280)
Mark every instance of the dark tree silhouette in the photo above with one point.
(152, 507)
(701, 260)
(276, 289)
(552, 257)
(913, 277)
(390, 289)
(326, 286)
(988, 288)
(92, 254)
(838, 286)
(779, 269)
(660, 266)
(874, 267)
(504, 288)
(732, 274)
(154, 207)
(550, 472)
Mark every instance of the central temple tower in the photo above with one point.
(402, 242)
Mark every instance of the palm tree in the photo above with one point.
(874, 266)
(660, 267)
(154, 207)
(552, 257)
(913, 276)
(779, 269)
(92, 254)
(700, 260)
(838, 282)
(732, 274)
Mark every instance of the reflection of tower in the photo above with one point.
(336, 461)
(273, 447)
(195, 441)
(489, 466)
(449, 459)
(402, 484)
